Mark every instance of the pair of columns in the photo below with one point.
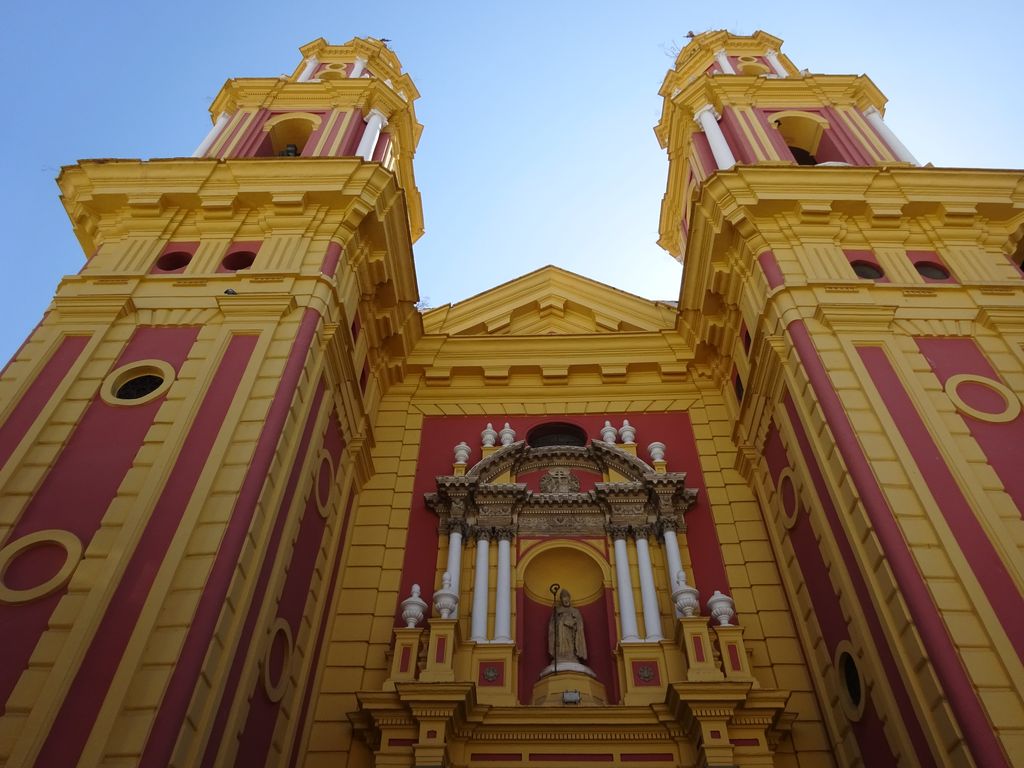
(481, 579)
(628, 628)
(707, 119)
(773, 59)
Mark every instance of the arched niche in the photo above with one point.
(581, 567)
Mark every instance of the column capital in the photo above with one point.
(705, 110)
(619, 532)
(669, 524)
(642, 531)
(374, 112)
(481, 533)
(452, 525)
(505, 534)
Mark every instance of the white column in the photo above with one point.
(875, 118)
(624, 586)
(307, 71)
(455, 530)
(724, 63)
(673, 562)
(481, 577)
(773, 59)
(503, 598)
(358, 67)
(648, 596)
(708, 121)
(374, 122)
(211, 137)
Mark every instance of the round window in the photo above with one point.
(140, 386)
(238, 260)
(931, 271)
(173, 261)
(867, 270)
(137, 383)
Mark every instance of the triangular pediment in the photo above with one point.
(550, 301)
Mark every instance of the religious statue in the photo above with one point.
(566, 641)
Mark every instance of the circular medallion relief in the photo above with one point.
(990, 400)
(23, 593)
(276, 659)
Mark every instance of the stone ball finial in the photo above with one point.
(413, 608)
(489, 436)
(462, 453)
(627, 432)
(609, 433)
(722, 608)
(656, 451)
(507, 435)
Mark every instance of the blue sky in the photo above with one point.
(538, 145)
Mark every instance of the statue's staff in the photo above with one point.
(554, 589)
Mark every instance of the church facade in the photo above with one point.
(258, 509)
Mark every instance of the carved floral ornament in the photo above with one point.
(482, 500)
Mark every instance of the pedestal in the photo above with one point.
(547, 692)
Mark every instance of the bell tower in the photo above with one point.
(863, 318)
(185, 428)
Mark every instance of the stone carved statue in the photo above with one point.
(566, 641)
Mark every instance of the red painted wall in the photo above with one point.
(943, 655)
(38, 392)
(982, 557)
(81, 705)
(1000, 443)
(254, 743)
(89, 470)
(179, 691)
(259, 591)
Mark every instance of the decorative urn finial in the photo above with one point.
(657, 451)
(609, 433)
(445, 599)
(627, 432)
(686, 598)
(488, 437)
(413, 608)
(722, 608)
(462, 453)
(507, 435)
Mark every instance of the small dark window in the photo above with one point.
(238, 260)
(737, 384)
(173, 261)
(931, 270)
(746, 341)
(556, 433)
(802, 156)
(850, 677)
(867, 270)
(138, 387)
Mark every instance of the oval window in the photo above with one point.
(867, 270)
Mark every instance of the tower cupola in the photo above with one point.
(738, 100)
